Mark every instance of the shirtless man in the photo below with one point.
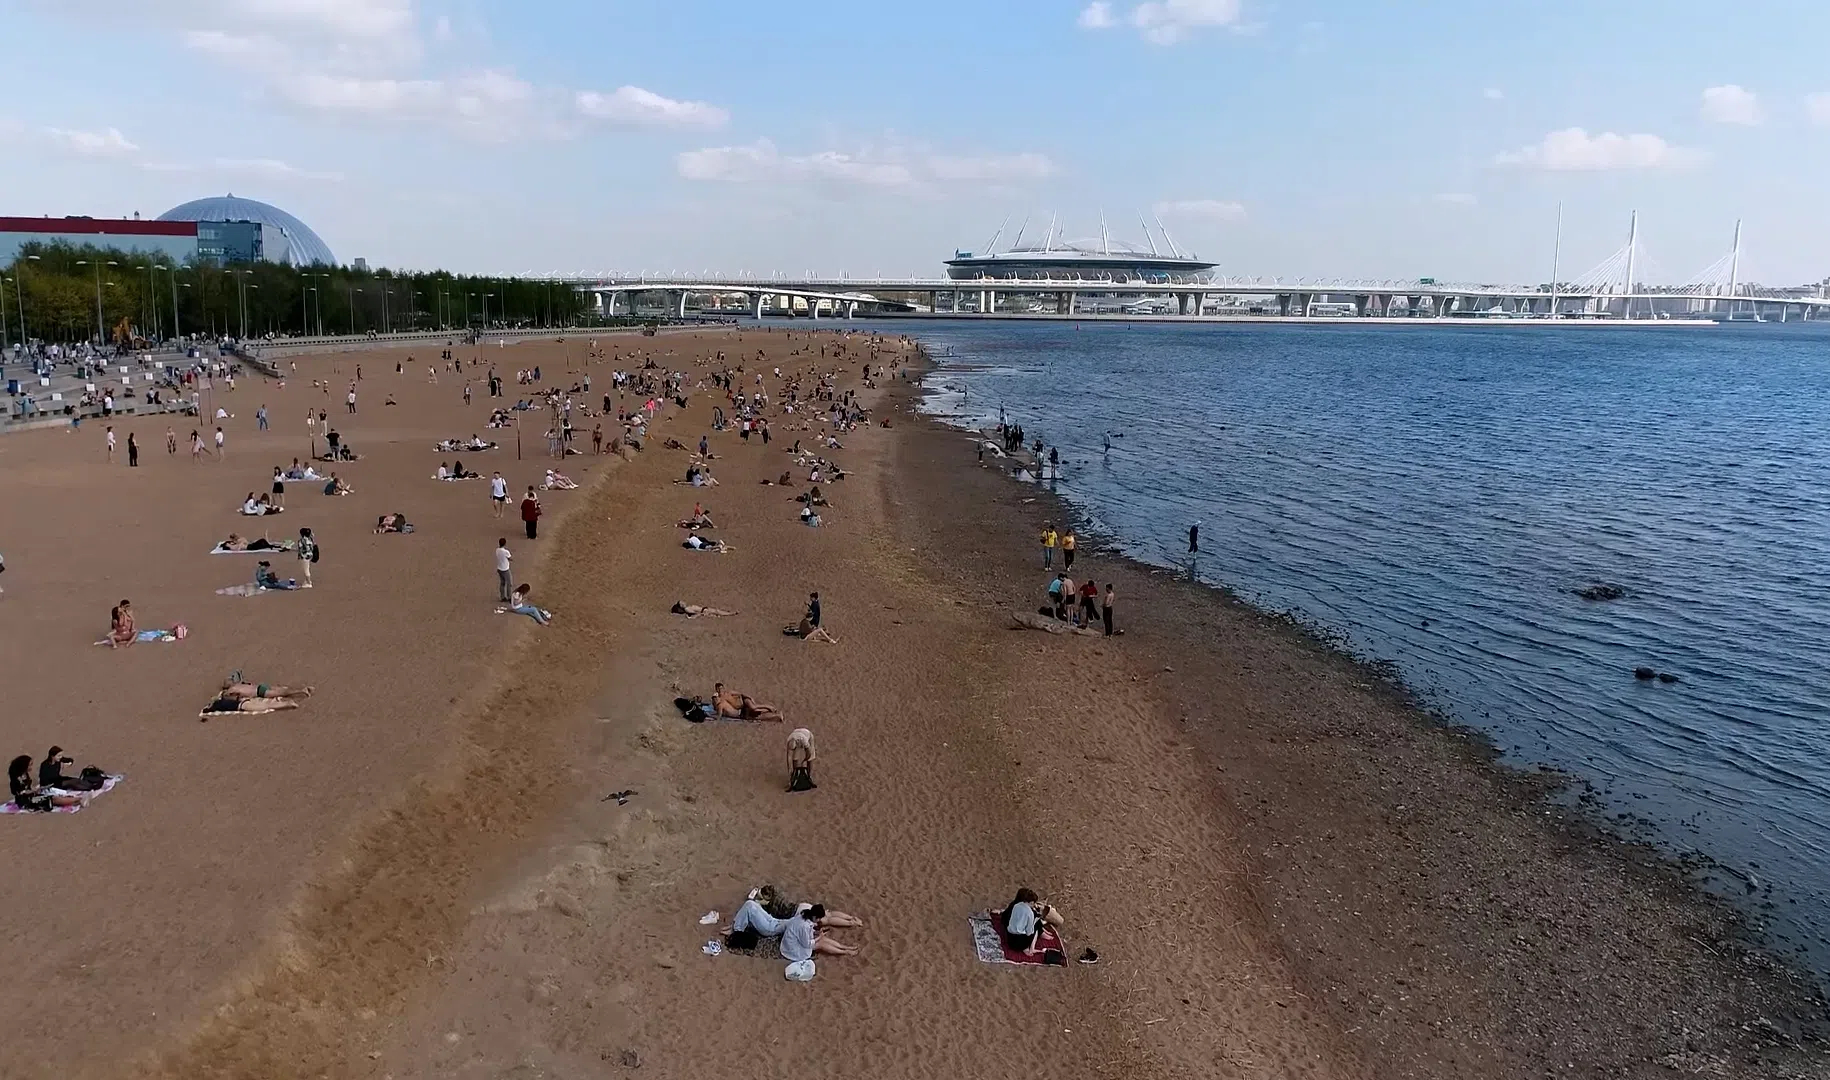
(734, 706)
(278, 697)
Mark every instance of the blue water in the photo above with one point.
(1434, 495)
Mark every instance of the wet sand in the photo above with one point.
(1284, 870)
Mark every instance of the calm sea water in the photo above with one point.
(1434, 495)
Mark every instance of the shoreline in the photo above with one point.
(1572, 796)
(1723, 930)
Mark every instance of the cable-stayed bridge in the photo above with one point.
(1616, 289)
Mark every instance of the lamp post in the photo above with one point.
(173, 271)
(101, 334)
(19, 295)
(241, 297)
(256, 288)
(352, 309)
(151, 301)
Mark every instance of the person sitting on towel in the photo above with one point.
(337, 486)
(1024, 920)
(392, 523)
(753, 920)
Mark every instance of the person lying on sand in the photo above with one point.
(674, 444)
(253, 507)
(558, 481)
(238, 689)
(693, 611)
(731, 705)
(392, 523)
(265, 578)
(699, 543)
(236, 542)
(754, 920)
(1023, 921)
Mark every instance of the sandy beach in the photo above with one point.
(1284, 870)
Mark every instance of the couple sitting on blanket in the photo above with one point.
(338, 486)
(301, 472)
(455, 472)
(253, 507)
(558, 481)
(800, 926)
(393, 523)
(52, 789)
(475, 445)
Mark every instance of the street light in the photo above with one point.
(101, 334)
(173, 271)
(150, 302)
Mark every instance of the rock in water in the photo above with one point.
(1601, 590)
(1644, 673)
(1667, 677)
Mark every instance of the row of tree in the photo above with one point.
(61, 293)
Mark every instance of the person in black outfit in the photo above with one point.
(813, 609)
(133, 451)
(1194, 538)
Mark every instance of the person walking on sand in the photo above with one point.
(530, 513)
(1048, 547)
(1106, 609)
(109, 435)
(308, 554)
(504, 581)
(260, 418)
(1067, 550)
(196, 445)
(171, 443)
(219, 446)
(349, 399)
(133, 451)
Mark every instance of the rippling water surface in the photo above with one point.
(1435, 494)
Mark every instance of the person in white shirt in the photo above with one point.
(498, 494)
(503, 558)
(1025, 919)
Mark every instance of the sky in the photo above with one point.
(1314, 138)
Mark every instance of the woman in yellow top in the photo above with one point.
(1048, 547)
(1067, 550)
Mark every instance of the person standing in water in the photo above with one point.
(1194, 538)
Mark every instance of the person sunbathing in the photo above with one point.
(764, 915)
(674, 444)
(392, 523)
(693, 611)
(558, 481)
(265, 578)
(1024, 920)
(731, 705)
(235, 688)
(236, 542)
(696, 542)
(121, 631)
(521, 605)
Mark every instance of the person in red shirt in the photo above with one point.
(1089, 603)
(530, 513)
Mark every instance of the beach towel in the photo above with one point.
(303, 479)
(243, 590)
(280, 545)
(107, 786)
(176, 633)
(988, 942)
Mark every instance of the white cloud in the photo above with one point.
(895, 166)
(1202, 209)
(1731, 104)
(265, 168)
(1493, 93)
(1817, 107)
(1165, 22)
(635, 107)
(1097, 16)
(1456, 198)
(1575, 150)
(992, 169)
(108, 142)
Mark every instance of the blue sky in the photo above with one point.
(1280, 137)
